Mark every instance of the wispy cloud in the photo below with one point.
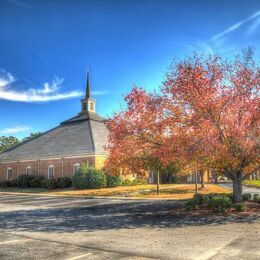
(99, 93)
(236, 26)
(253, 27)
(15, 130)
(47, 92)
(20, 3)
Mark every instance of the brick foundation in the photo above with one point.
(62, 166)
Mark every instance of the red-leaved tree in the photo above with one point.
(220, 103)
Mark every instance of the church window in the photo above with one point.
(28, 170)
(91, 106)
(76, 167)
(9, 173)
(84, 106)
(51, 172)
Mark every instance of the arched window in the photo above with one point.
(76, 167)
(9, 173)
(51, 172)
(28, 170)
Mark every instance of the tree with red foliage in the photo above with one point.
(219, 101)
(137, 135)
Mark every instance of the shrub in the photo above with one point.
(24, 181)
(256, 198)
(37, 182)
(201, 198)
(133, 182)
(96, 178)
(30, 181)
(113, 181)
(246, 196)
(50, 184)
(139, 181)
(64, 182)
(89, 177)
(220, 203)
(79, 179)
(240, 207)
(127, 183)
(191, 204)
(8, 184)
(230, 195)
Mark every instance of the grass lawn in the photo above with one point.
(169, 191)
(252, 183)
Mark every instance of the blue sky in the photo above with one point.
(46, 47)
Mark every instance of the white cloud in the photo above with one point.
(48, 92)
(253, 27)
(235, 26)
(99, 93)
(14, 130)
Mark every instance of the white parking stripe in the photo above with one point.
(12, 241)
(80, 256)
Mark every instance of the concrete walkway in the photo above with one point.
(245, 188)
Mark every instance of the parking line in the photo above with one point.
(12, 241)
(80, 256)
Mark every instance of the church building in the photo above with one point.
(61, 150)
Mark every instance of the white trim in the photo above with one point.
(55, 158)
(74, 165)
(7, 177)
(50, 166)
(28, 167)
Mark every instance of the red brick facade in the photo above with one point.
(62, 166)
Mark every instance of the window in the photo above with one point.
(28, 170)
(9, 173)
(76, 167)
(91, 106)
(84, 106)
(51, 172)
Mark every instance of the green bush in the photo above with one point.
(30, 181)
(8, 184)
(37, 182)
(113, 181)
(191, 204)
(202, 199)
(133, 182)
(50, 184)
(246, 196)
(220, 203)
(240, 207)
(64, 182)
(96, 178)
(256, 198)
(24, 181)
(89, 177)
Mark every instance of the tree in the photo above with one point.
(220, 103)
(7, 142)
(32, 135)
(137, 135)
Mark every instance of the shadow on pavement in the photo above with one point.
(128, 215)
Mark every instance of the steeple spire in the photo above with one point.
(88, 84)
(88, 104)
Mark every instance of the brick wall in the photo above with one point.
(41, 167)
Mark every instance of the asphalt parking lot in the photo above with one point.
(52, 227)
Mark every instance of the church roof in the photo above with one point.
(71, 138)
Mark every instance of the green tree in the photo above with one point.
(7, 142)
(32, 135)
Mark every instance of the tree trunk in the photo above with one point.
(196, 182)
(237, 189)
(158, 182)
(202, 179)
